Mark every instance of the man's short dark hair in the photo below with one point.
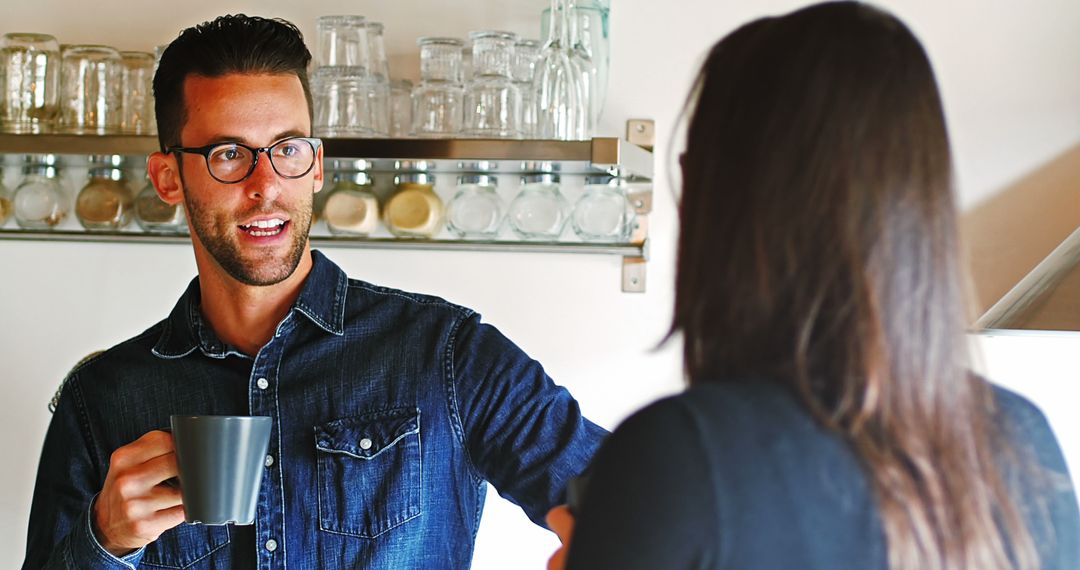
(229, 44)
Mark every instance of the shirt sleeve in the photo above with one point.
(523, 433)
(650, 501)
(60, 534)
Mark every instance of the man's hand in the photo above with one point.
(560, 520)
(135, 507)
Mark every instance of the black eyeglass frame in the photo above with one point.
(255, 152)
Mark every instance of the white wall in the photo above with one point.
(1012, 91)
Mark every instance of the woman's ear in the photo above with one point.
(164, 171)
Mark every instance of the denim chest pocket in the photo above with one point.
(185, 546)
(369, 472)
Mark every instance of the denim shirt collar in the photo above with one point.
(321, 300)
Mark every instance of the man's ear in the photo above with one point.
(317, 180)
(164, 171)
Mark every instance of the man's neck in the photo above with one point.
(246, 316)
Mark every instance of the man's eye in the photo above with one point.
(230, 154)
(289, 149)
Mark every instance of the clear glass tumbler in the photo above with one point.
(31, 82)
(137, 86)
(342, 40)
(91, 86)
(437, 100)
(539, 212)
(475, 211)
(526, 52)
(345, 101)
(400, 107)
(492, 100)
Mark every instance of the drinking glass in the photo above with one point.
(437, 100)
(562, 97)
(137, 86)
(91, 84)
(400, 107)
(342, 40)
(593, 35)
(31, 81)
(345, 102)
(526, 52)
(492, 100)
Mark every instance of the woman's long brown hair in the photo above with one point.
(819, 249)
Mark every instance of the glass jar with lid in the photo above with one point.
(475, 211)
(156, 216)
(414, 210)
(105, 203)
(539, 212)
(351, 208)
(6, 206)
(40, 202)
(603, 212)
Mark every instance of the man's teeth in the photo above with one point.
(267, 227)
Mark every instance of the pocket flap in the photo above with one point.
(366, 436)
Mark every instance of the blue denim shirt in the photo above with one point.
(445, 403)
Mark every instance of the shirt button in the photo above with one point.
(271, 545)
(269, 460)
(262, 383)
(365, 444)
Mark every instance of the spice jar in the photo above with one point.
(351, 208)
(154, 215)
(40, 202)
(476, 211)
(6, 206)
(105, 203)
(414, 211)
(539, 211)
(602, 213)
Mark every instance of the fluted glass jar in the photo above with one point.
(414, 210)
(156, 216)
(540, 211)
(526, 52)
(492, 100)
(603, 212)
(40, 202)
(105, 203)
(351, 208)
(475, 211)
(437, 100)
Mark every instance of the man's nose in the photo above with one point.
(264, 182)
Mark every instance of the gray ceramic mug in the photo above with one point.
(221, 466)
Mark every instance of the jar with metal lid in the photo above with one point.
(414, 210)
(475, 211)
(105, 203)
(40, 202)
(351, 208)
(539, 212)
(154, 215)
(603, 212)
(6, 207)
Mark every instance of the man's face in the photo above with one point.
(256, 229)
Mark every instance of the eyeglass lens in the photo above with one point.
(232, 162)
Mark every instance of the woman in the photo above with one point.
(831, 419)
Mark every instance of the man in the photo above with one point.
(390, 410)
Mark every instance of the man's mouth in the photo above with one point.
(264, 228)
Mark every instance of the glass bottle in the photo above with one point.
(40, 201)
(105, 203)
(562, 102)
(476, 211)
(539, 212)
(492, 100)
(154, 215)
(592, 35)
(526, 53)
(6, 206)
(603, 212)
(351, 208)
(437, 100)
(414, 211)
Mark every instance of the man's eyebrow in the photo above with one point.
(228, 138)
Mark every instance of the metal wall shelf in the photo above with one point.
(601, 155)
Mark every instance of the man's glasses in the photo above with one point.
(233, 162)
